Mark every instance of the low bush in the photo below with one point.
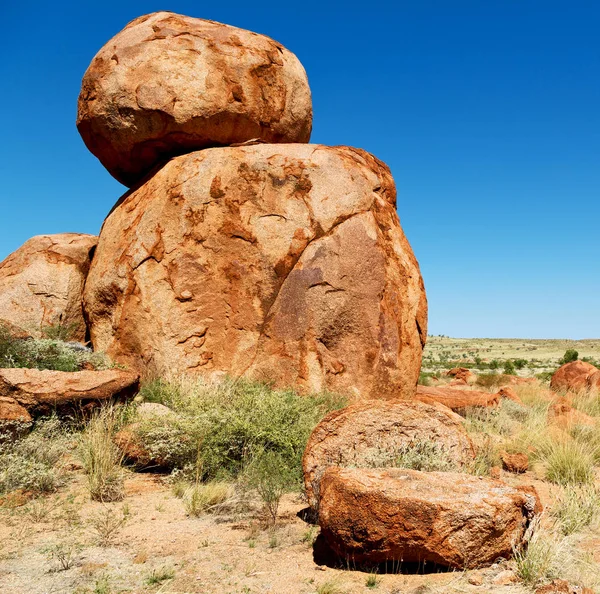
(47, 353)
(541, 558)
(219, 428)
(34, 462)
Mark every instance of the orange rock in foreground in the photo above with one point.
(277, 262)
(454, 520)
(371, 433)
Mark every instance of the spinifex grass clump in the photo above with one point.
(219, 428)
(569, 462)
(100, 457)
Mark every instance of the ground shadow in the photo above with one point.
(323, 555)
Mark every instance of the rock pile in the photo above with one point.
(388, 483)
(280, 261)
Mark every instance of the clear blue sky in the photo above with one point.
(487, 111)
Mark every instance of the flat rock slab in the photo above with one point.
(455, 398)
(371, 433)
(41, 391)
(169, 84)
(455, 520)
(41, 284)
(279, 262)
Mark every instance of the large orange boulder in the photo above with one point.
(462, 374)
(41, 284)
(278, 262)
(374, 433)
(564, 416)
(43, 391)
(370, 516)
(455, 398)
(572, 376)
(169, 84)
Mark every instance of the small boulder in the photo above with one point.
(42, 391)
(14, 419)
(454, 520)
(456, 399)
(462, 374)
(510, 394)
(169, 84)
(372, 433)
(572, 376)
(562, 587)
(516, 463)
(563, 415)
(41, 284)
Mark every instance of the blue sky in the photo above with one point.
(487, 111)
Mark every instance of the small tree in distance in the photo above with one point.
(569, 356)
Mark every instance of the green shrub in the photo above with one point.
(271, 477)
(220, 427)
(200, 498)
(569, 356)
(46, 353)
(509, 368)
(33, 463)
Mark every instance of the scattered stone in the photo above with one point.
(516, 463)
(451, 519)
(462, 374)
(456, 399)
(371, 433)
(298, 270)
(169, 84)
(475, 578)
(41, 284)
(495, 472)
(510, 394)
(505, 578)
(42, 391)
(572, 376)
(563, 415)
(562, 587)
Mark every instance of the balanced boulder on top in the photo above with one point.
(279, 262)
(169, 84)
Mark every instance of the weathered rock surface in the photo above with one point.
(572, 376)
(41, 284)
(41, 391)
(14, 419)
(169, 84)
(371, 432)
(455, 520)
(455, 398)
(593, 381)
(279, 262)
(10, 329)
